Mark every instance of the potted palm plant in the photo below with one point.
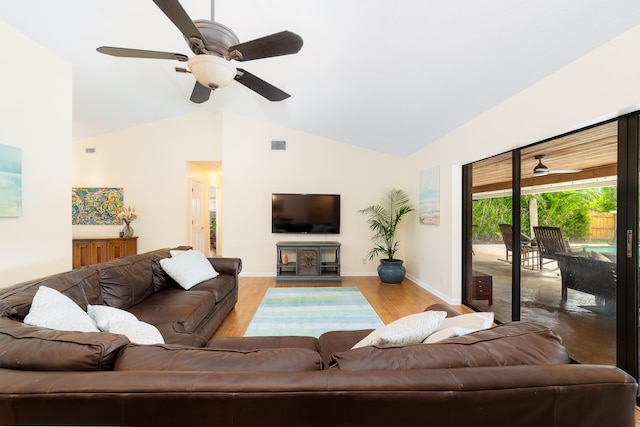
(383, 219)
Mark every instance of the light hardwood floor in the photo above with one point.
(391, 302)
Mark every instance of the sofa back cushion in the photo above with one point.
(81, 285)
(516, 343)
(33, 348)
(161, 279)
(126, 284)
(167, 357)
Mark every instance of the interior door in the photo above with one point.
(197, 216)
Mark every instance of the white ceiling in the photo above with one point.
(390, 76)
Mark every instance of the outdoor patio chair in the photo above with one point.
(550, 242)
(526, 250)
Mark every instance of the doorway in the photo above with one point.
(198, 221)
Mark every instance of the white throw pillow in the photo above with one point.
(189, 268)
(103, 314)
(138, 332)
(461, 325)
(177, 252)
(51, 309)
(412, 329)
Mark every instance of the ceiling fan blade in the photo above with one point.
(176, 13)
(139, 53)
(565, 171)
(283, 43)
(259, 86)
(200, 93)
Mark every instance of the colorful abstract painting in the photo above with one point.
(96, 206)
(10, 181)
(430, 196)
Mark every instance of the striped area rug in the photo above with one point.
(311, 312)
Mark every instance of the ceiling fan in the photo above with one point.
(214, 46)
(542, 170)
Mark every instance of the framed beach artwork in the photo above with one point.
(430, 196)
(10, 181)
(96, 205)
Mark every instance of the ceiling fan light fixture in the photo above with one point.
(211, 71)
(540, 169)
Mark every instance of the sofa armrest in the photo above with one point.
(232, 266)
(451, 312)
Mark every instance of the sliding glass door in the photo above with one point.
(490, 282)
(551, 256)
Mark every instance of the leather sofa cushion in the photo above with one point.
(125, 285)
(185, 309)
(339, 341)
(516, 343)
(166, 357)
(219, 286)
(161, 279)
(171, 336)
(81, 285)
(260, 343)
(32, 348)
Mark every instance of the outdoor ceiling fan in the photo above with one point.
(214, 46)
(542, 170)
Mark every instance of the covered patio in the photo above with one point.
(583, 318)
(588, 332)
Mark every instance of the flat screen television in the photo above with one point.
(305, 213)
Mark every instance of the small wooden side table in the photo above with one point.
(481, 287)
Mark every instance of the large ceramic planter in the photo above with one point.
(391, 271)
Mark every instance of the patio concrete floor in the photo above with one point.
(587, 332)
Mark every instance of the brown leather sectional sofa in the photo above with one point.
(517, 374)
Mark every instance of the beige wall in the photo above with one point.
(310, 164)
(152, 163)
(35, 115)
(158, 185)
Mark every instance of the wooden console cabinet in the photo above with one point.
(92, 250)
(308, 262)
(481, 287)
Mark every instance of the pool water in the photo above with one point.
(608, 249)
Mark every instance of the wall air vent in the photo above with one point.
(90, 150)
(278, 145)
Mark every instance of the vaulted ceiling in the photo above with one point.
(392, 77)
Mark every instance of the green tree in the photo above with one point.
(566, 209)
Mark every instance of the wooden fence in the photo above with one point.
(603, 226)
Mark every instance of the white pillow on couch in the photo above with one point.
(463, 324)
(117, 321)
(54, 310)
(138, 332)
(412, 329)
(103, 314)
(189, 268)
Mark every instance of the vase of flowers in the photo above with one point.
(127, 215)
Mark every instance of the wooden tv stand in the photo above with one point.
(308, 262)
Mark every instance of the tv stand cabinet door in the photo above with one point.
(307, 262)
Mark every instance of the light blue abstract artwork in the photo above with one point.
(430, 196)
(10, 181)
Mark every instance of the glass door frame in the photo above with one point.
(627, 244)
(627, 299)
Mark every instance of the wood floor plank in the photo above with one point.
(391, 302)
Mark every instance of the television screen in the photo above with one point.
(305, 213)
